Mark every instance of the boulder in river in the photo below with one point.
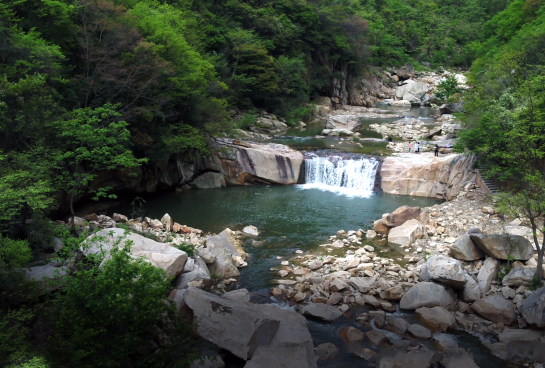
(403, 214)
(250, 230)
(427, 294)
(209, 180)
(322, 311)
(501, 246)
(161, 255)
(263, 335)
(464, 249)
(436, 318)
(227, 253)
(496, 309)
(533, 308)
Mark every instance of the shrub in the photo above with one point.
(113, 314)
(188, 248)
(247, 121)
(40, 232)
(14, 253)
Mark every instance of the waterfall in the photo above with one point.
(354, 177)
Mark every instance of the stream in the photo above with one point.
(338, 194)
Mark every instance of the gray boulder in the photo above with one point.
(265, 335)
(237, 295)
(465, 250)
(436, 318)
(472, 291)
(501, 246)
(427, 294)
(522, 353)
(209, 180)
(445, 270)
(418, 331)
(533, 308)
(488, 273)
(161, 255)
(519, 276)
(322, 311)
(195, 269)
(48, 277)
(227, 253)
(496, 309)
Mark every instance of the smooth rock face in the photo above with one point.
(496, 309)
(197, 271)
(228, 254)
(464, 249)
(322, 311)
(436, 318)
(445, 270)
(511, 334)
(49, 278)
(237, 295)
(250, 230)
(403, 214)
(161, 255)
(326, 351)
(519, 276)
(351, 334)
(209, 180)
(426, 294)
(418, 331)
(525, 352)
(265, 335)
(488, 273)
(406, 234)
(501, 246)
(533, 308)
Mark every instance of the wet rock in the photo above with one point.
(351, 334)
(448, 271)
(326, 351)
(419, 332)
(376, 337)
(209, 180)
(268, 336)
(512, 334)
(458, 359)
(464, 249)
(436, 318)
(496, 309)
(397, 325)
(250, 230)
(501, 246)
(525, 352)
(426, 294)
(519, 276)
(367, 354)
(161, 255)
(533, 308)
(379, 318)
(406, 234)
(488, 273)
(322, 311)
(237, 295)
(401, 359)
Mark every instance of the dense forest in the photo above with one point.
(89, 85)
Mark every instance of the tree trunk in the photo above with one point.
(72, 211)
(539, 270)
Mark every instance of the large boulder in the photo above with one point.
(406, 71)
(465, 250)
(502, 246)
(265, 335)
(519, 276)
(427, 294)
(322, 311)
(161, 255)
(488, 273)
(533, 308)
(522, 353)
(227, 253)
(48, 277)
(406, 234)
(209, 180)
(472, 290)
(195, 269)
(436, 318)
(403, 214)
(444, 270)
(496, 309)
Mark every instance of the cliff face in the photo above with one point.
(422, 175)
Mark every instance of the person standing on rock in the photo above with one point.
(436, 150)
(410, 145)
(417, 147)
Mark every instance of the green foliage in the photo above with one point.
(535, 284)
(14, 253)
(188, 248)
(247, 121)
(112, 315)
(447, 88)
(40, 232)
(138, 209)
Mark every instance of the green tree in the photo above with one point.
(447, 88)
(115, 314)
(90, 140)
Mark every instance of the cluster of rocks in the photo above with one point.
(413, 129)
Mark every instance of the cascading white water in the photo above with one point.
(354, 177)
